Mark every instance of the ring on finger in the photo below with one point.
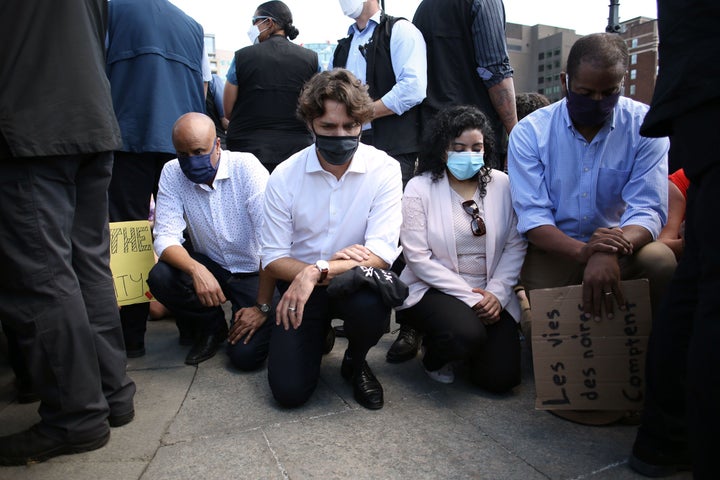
(292, 309)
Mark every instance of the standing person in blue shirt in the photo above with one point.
(388, 55)
(591, 193)
(158, 70)
(263, 85)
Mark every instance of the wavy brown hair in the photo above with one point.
(339, 85)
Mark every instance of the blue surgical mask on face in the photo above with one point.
(464, 165)
(586, 112)
(198, 168)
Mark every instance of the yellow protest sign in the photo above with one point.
(131, 258)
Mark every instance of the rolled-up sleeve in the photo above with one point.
(409, 61)
(488, 32)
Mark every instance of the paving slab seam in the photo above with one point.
(600, 470)
(279, 464)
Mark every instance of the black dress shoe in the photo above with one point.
(134, 350)
(31, 446)
(116, 421)
(654, 462)
(205, 348)
(405, 347)
(367, 389)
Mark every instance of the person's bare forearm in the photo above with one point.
(502, 96)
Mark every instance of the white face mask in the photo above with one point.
(352, 8)
(254, 33)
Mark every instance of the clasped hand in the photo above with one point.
(488, 309)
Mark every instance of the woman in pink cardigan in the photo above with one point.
(463, 255)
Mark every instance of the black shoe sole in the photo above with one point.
(140, 352)
(116, 421)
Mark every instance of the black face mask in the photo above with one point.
(337, 150)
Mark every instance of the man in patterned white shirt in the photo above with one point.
(217, 196)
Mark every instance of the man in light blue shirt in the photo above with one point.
(388, 55)
(591, 193)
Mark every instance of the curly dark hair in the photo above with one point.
(445, 127)
(282, 16)
(528, 102)
(337, 84)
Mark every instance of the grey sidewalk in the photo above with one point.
(211, 422)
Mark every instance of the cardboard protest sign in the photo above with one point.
(583, 364)
(131, 258)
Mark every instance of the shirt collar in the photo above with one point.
(354, 30)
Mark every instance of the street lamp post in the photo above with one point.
(614, 18)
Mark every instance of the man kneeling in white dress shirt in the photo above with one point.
(217, 196)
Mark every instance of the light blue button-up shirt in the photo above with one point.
(558, 178)
(409, 61)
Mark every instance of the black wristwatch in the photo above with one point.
(264, 308)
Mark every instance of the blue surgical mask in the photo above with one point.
(464, 165)
(198, 168)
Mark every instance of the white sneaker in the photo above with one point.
(444, 374)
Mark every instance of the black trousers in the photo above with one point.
(295, 355)
(683, 360)
(135, 177)
(453, 332)
(60, 300)
(174, 289)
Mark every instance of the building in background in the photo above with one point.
(538, 54)
(641, 36)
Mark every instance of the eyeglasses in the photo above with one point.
(255, 19)
(477, 224)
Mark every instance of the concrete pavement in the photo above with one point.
(211, 422)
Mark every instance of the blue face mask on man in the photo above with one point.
(199, 168)
(464, 165)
